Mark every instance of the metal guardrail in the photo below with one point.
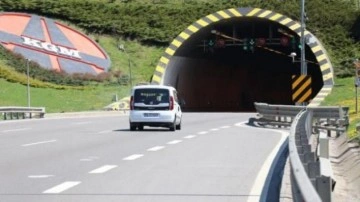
(315, 165)
(312, 176)
(330, 118)
(327, 117)
(277, 114)
(9, 113)
(302, 186)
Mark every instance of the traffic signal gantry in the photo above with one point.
(249, 44)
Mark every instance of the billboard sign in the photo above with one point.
(51, 44)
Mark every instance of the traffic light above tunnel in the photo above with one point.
(272, 38)
(237, 63)
(230, 73)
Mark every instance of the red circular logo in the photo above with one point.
(51, 44)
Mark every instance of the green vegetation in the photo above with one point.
(145, 28)
(344, 94)
(58, 100)
(157, 22)
(42, 77)
(65, 98)
(143, 58)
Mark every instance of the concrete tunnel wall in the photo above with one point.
(220, 88)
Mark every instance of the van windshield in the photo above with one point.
(151, 96)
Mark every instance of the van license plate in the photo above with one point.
(151, 114)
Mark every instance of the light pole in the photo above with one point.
(121, 47)
(28, 82)
(357, 82)
(294, 60)
(302, 61)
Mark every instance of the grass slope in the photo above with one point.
(143, 61)
(70, 100)
(344, 94)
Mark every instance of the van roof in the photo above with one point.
(153, 86)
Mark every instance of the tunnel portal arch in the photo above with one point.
(312, 43)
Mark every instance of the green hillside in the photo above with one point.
(145, 28)
(157, 22)
(57, 100)
(69, 98)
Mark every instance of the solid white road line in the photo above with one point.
(61, 187)
(202, 132)
(36, 143)
(40, 176)
(15, 130)
(189, 136)
(174, 142)
(157, 148)
(103, 169)
(240, 124)
(133, 157)
(259, 183)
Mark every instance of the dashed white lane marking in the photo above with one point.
(61, 187)
(224, 127)
(103, 169)
(133, 157)
(37, 143)
(104, 131)
(40, 176)
(202, 132)
(214, 129)
(157, 148)
(189, 136)
(90, 158)
(174, 142)
(15, 130)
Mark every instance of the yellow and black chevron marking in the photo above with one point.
(183, 36)
(316, 47)
(320, 96)
(301, 88)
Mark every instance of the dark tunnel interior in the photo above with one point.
(230, 64)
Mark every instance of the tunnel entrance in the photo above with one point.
(229, 64)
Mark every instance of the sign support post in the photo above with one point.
(357, 82)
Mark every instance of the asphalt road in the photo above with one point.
(214, 157)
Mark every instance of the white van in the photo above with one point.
(155, 106)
